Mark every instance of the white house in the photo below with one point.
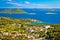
(47, 26)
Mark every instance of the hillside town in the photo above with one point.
(15, 29)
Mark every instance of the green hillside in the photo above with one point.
(20, 29)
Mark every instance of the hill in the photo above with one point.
(15, 10)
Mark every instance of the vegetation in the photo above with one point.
(16, 10)
(54, 34)
(20, 29)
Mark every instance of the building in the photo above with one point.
(47, 26)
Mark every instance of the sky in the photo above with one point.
(30, 3)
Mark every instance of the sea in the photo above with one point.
(46, 16)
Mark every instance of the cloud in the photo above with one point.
(9, 0)
(14, 3)
(31, 5)
(26, 2)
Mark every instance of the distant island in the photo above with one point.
(10, 11)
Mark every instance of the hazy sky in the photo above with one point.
(30, 3)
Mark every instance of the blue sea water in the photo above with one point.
(38, 14)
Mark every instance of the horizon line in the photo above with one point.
(29, 7)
